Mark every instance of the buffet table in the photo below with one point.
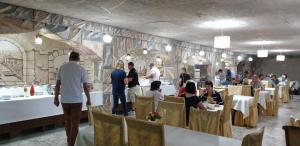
(19, 109)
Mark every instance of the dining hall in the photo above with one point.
(149, 73)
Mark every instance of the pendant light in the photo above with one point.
(250, 59)
(222, 41)
(168, 48)
(280, 57)
(262, 53)
(107, 38)
(38, 40)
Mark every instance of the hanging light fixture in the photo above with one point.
(145, 51)
(128, 57)
(107, 38)
(280, 57)
(222, 42)
(224, 55)
(184, 61)
(193, 56)
(222, 60)
(38, 40)
(201, 53)
(250, 59)
(168, 48)
(217, 63)
(158, 59)
(201, 62)
(262, 53)
(239, 58)
(226, 64)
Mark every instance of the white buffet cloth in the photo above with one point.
(28, 108)
(242, 103)
(174, 136)
(271, 91)
(263, 96)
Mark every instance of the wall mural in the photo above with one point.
(11, 62)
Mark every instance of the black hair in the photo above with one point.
(210, 83)
(190, 87)
(130, 64)
(74, 56)
(220, 70)
(155, 85)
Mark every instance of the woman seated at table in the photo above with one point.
(191, 100)
(210, 95)
(155, 92)
(255, 84)
(182, 90)
(237, 80)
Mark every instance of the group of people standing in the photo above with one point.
(119, 80)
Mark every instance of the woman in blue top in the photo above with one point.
(216, 98)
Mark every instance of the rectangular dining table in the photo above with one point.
(174, 136)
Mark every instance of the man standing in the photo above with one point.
(70, 79)
(133, 84)
(154, 73)
(119, 81)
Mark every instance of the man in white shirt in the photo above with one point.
(154, 73)
(72, 80)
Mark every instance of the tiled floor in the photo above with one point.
(274, 135)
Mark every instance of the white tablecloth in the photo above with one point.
(263, 96)
(242, 103)
(271, 91)
(168, 89)
(27, 108)
(280, 91)
(173, 137)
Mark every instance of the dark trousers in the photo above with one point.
(122, 97)
(72, 113)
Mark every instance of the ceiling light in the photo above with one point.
(184, 61)
(201, 53)
(193, 56)
(222, 42)
(224, 55)
(38, 40)
(264, 42)
(158, 59)
(262, 53)
(280, 57)
(201, 62)
(107, 38)
(250, 59)
(223, 23)
(281, 50)
(226, 64)
(128, 57)
(239, 58)
(168, 48)
(145, 51)
(222, 60)
(217, 63)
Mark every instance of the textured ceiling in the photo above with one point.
(272, 20)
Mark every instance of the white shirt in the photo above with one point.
(72, 76)
(158, 96)
(155, 74)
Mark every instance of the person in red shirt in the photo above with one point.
(183, 89)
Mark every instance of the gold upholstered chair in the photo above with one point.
(294, 121)
(254, 139)
(205, 121)
(272, 104)
(101, 108)
(286, 92)
(235, 90)
(172, 113)
(246, 90)
(143, 105)
(174, 99)
(144, 133)
(225, 119)
(108, 129)
(292, 135)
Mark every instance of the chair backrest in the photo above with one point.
(201, 91)
(294, 122)
(205, 121)
(143, 105)
(101, 108)
(246, 90)
(235, 90)
(145, 89)
(172, 113)
(264, 83)
(174, 99)
(254, 139)
(226, 113)
(108, 129)
(144, 133)
(256, 97)
(292, 135)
